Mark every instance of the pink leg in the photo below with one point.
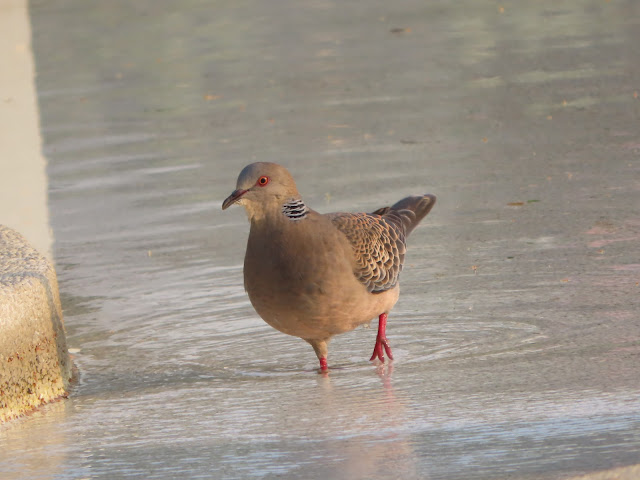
(323, 364)
(381, 341)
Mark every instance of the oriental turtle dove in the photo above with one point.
(312, 275)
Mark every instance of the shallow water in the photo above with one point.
(516, 334)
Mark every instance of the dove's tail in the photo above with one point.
(409, 211)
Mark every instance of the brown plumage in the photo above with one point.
(314, 276)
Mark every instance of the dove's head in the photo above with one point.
(262, 186)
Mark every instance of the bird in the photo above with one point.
(314, 275)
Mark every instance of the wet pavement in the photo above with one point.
(517, 333)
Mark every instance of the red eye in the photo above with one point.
(262, 181)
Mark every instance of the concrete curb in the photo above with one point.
(34, 363)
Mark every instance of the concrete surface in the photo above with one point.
(23, 181)
(34, 363)
(516, 333)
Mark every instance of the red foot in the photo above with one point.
(381, 341)
(323, 364)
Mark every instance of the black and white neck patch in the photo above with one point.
(295, 209)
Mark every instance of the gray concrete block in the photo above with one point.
(34, 362)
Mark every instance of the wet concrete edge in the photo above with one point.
(35, 367)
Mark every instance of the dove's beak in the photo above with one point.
(233, 198)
